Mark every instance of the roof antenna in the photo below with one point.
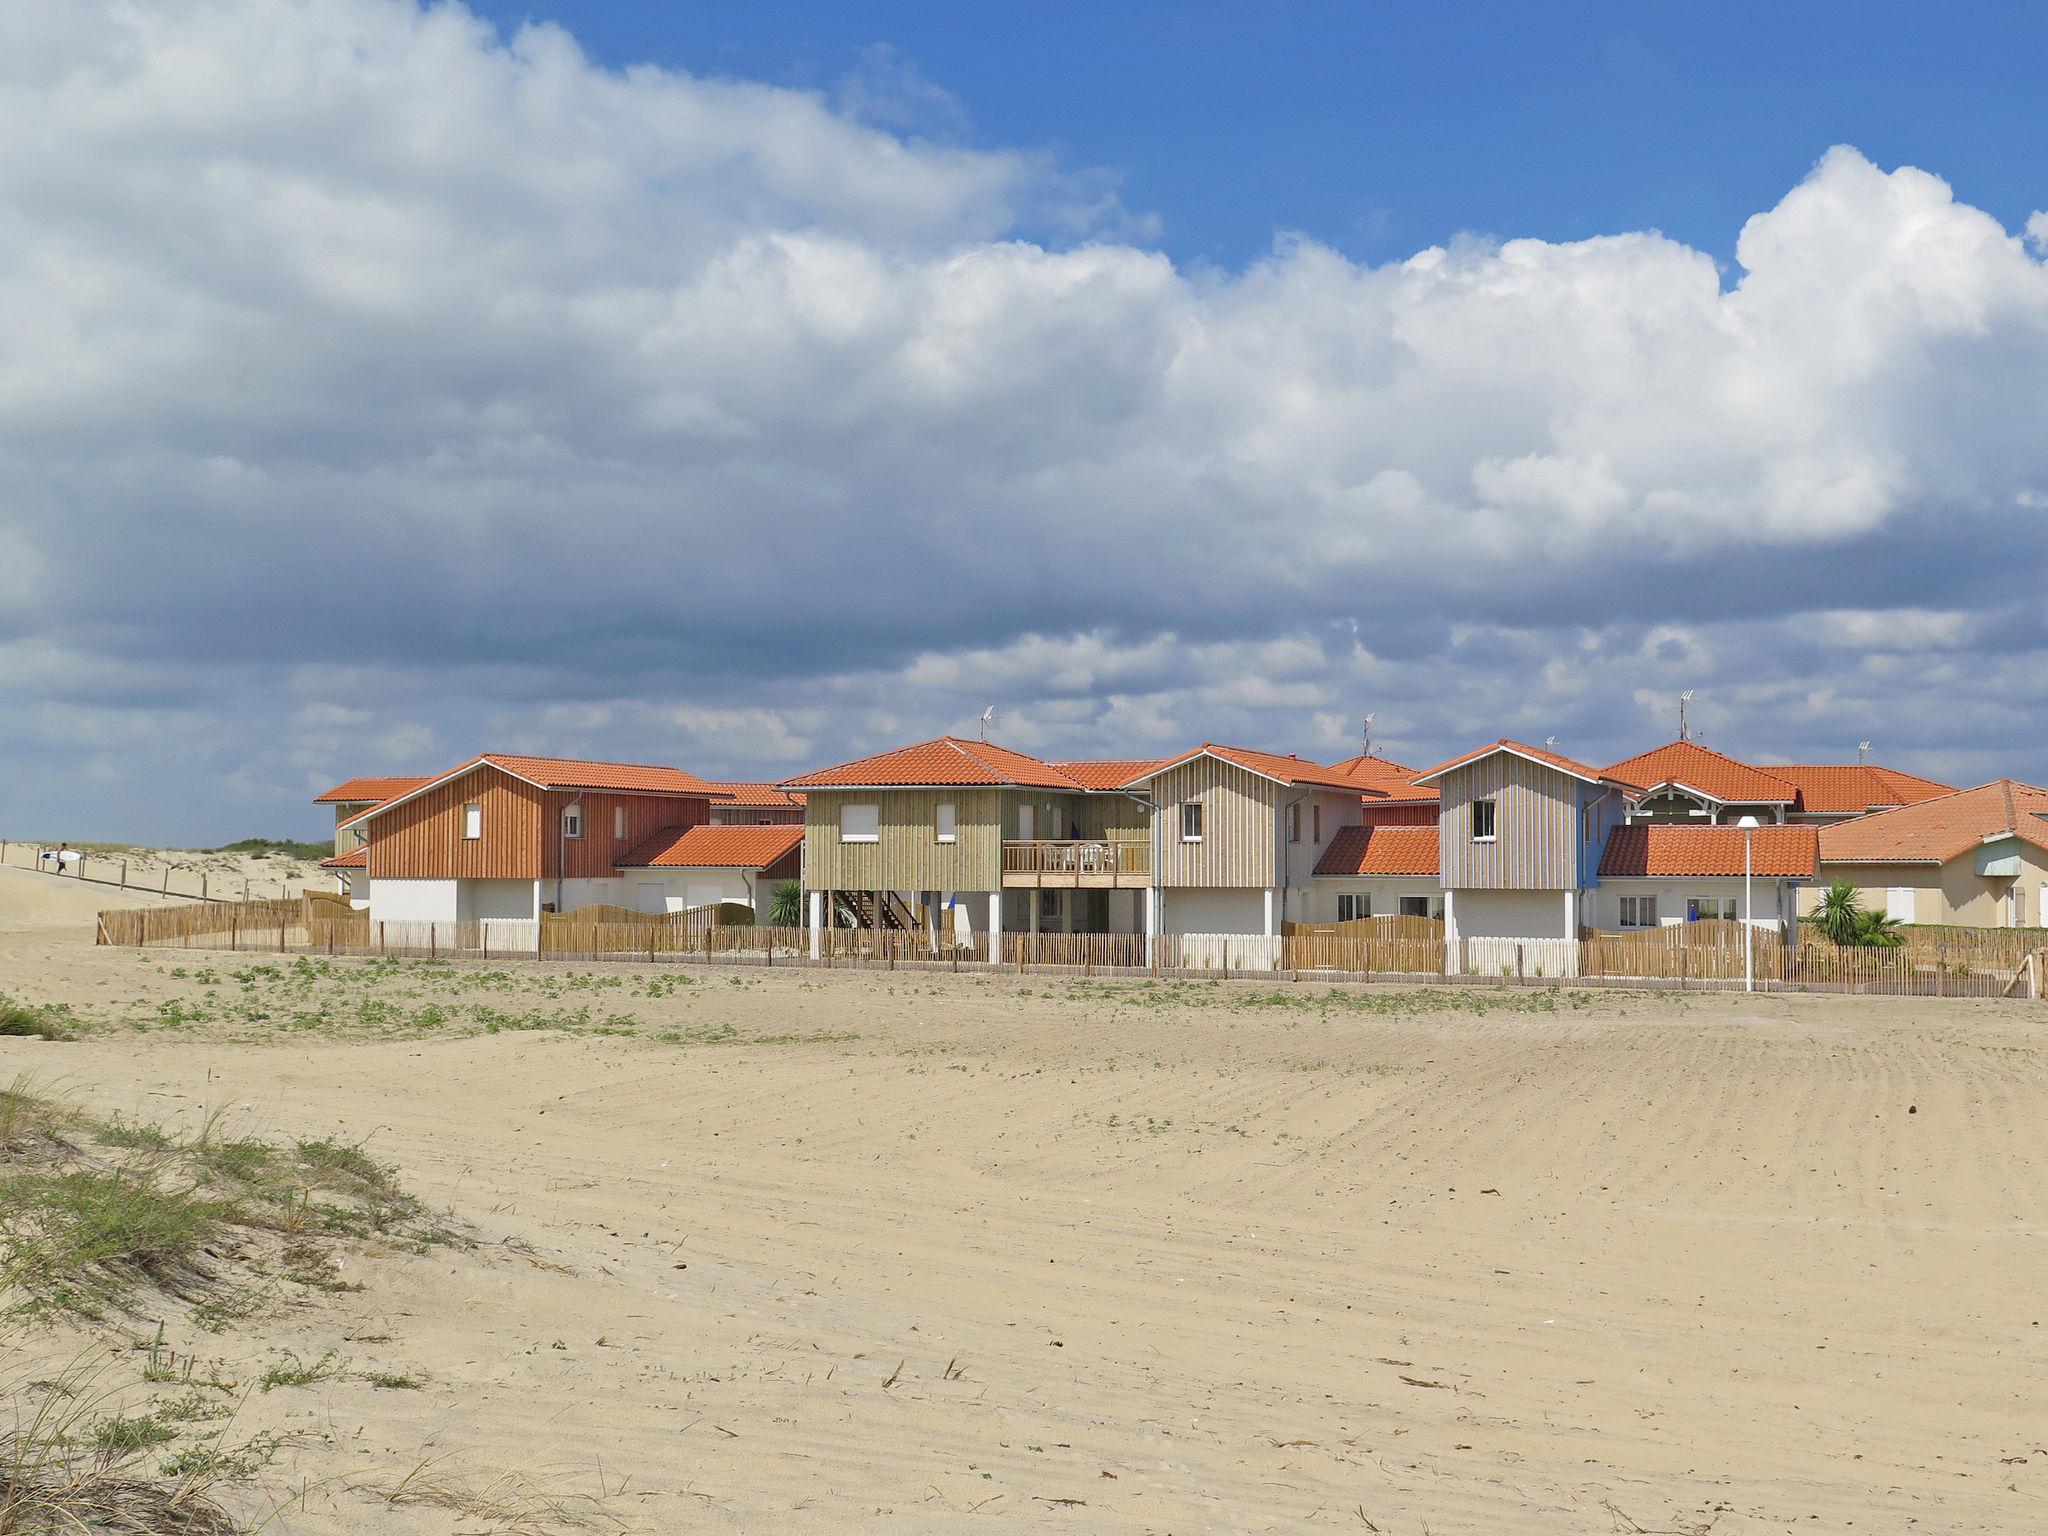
(1862, 751)
(988, 718)
(1365, 737)
(1685, 715)
(1550, 742)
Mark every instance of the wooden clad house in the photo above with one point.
(1519, 841)
(1685, 782)
(751, 803)
(352, 797)
(507, 836)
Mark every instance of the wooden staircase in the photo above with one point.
(893, 914)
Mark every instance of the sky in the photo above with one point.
(752, 387)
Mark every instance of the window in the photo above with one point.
(1316, 823)
(1587, 823)
(618, 821)
(1191, 822)
(1711, 908)
(1294, 823)
(860, 824)
(472, 821)
(1027, 822)
(1415, 906)
(572, 821)
(1482, 821)
(1638, 911)
(945, 823)
(1352, 909)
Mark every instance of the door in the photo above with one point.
(1025, 821)
(1898, 903)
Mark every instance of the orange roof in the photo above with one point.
(1937, 830)
(1651, 849)
(1521, 749)
(713, 848)
(561, 773)
(1381, 851)
(1384, 780)
(1689, 765)
(1287, 769)
(942, 763)
(350, 791)
(1107, 773)
(358, 858)
(749, 792)
(1856, 787)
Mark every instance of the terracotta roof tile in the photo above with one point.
(942, 763)
(582, 773)
(1540, 754)
(1286, 768)
(370, 789)
(1107, 773)
(1715, 774)
(705, 847)
(1942, 828)
(1669, 849)
(753, 793)
(1385, 781)
(358, 858)
(1381, 851)
(1855, 787)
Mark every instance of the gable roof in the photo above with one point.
(1282, 769)
(1650, 849)
(1856, 787)
(707, 847)
(1381, 851)
(558, 773)
(350, 791)
(754, 792)
(1385, 781)
(945, 762)
(355, 858)
(1939, 829)
(1107, 773)
(1688, 765)
(1543, 755)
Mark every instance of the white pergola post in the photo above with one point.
(817, 924)
(1450, 929)
(995, 927)
(1269, 930)
(1148, 901)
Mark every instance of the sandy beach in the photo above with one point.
(804, 1252)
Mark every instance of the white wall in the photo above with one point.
(1385, 891)
(584, 893)
(1216, 909)
(681, 888)
(1773, 899)
(1488, 914)
(357, 887)
(481, 899)
(414, 901)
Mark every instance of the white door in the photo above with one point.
(1024, 823)
(650, 896)
(1898, 903)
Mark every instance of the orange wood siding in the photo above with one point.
(591, 856)
(1417, 815)
(422, 839)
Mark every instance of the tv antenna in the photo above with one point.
(1685, 715)
(988, 718)
(1550, 742)
(1365, 736)
(1862, 751)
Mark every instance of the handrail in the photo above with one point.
(1077, 856)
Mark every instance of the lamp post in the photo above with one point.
(1748, 825)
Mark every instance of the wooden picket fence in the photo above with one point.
(1704, 956)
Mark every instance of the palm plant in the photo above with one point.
(786, 905)
(1876, 931)
(1839, 915)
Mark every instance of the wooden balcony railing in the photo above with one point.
(1102, 857)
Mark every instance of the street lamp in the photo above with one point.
(1748, 825)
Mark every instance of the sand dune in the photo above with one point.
(1089, 1258)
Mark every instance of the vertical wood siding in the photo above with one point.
(592, 856)
(1240, 814)
(1536, 826)
(908, 855)
(422, 839)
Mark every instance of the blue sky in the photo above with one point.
(752, 387)
(1380, 129)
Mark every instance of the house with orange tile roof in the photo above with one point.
(352, 797)
(1685, 782)
(966, 841)
(1378, 869)
(680, 869)
(503, 837)
(1659, 874)
(753, 803)
(1976, 857)
(1519, 843)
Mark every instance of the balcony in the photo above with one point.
(1086, 863)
